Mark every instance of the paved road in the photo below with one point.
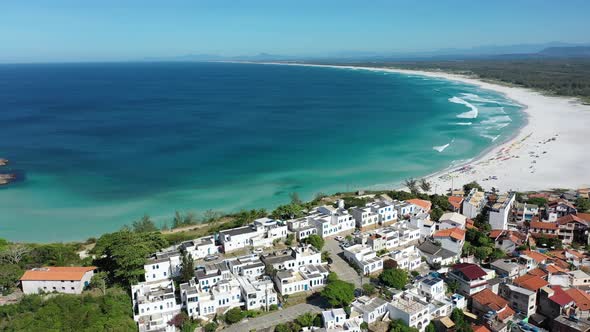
(340, 266)
(272, 319)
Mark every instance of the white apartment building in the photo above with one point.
(386, 211)
(451, 239)
(369, 309)
(304, 278)
(238, 238)
(410, 311)
(407, 258)
(331, 221)
(471, 278)
(500, 211)
(404, 208)
(365, 217)
(257, 293)
(422, 222)
(162, 266)
(226, 294)
(452, 220)
(154, 305)
(294, 257)
(474, 203)
(210, 275)
(432, 288)
(248, 266)
(61, 279)
(200, 248)
(334, 318)
(272, 230)
(364, 257)
(302, 227)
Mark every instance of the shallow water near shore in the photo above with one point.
(102, 144)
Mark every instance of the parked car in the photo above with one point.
(339, 238)
(258, 251)
(211, 258)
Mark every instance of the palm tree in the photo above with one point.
(425, 185)
(412, 185)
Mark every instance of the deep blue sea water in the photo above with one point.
(99, 145)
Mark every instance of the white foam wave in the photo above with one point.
(490, 137)
(466, 115)
(480, 99)
(503, 119)
(464, 123)
(441, 148)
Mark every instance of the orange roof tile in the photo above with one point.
(530, 282)
(495, 302)
(537, 256)
(584, 216)
(571, 218)
(494, 233)
(544, 225)
(480, 328)
(552, 268)
(470, 224)
(426, 205)
(575, 253)
(537, 272)
(455, 201)
(582, 299)
(456, 233)
(57, 273)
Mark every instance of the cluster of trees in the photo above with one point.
(308, 319)
(481, 246)
(110, 312)
(338, 293)
(394, 277)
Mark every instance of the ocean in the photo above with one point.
(97, 146)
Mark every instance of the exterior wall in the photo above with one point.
(419, 319)
(520, 301)
(450, 244)
(499, 218)
(60, 286)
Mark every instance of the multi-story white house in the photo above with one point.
(364, 257)
(272, 230)
(200, 248)
(365, 217)
(451, 239)
(474, 203)
(211, 275)
(422, 222)
(405, 209)
(162, 266)
(452, 220)
(61, 279)
(257, 293)
(386, 211)
(154, 305)
(471, 278)
(412, 312)
(302, 227)
(331, 221)
(370, 309)
(249, 266)
(500, 211)
(294, 258)
(238, 238)
(436, 255)
(301, 279)
(334, 319)
(407, 258)
(226, 294)
(432, 287)
(408, 234)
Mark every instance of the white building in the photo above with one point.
(386, 211)
(331, 221)
(154, 305)
(407, 258)
(257, 293)
(302, 227)
(365, 217)
(364, 257)
(334, 318)
(61, 279)
(210, 275)
(162, 266)
(452, 220)
(451, 239)
(200, 248)
(412, 312)
(474, 203)
(302, 279)
(436, 255)
(248, 266)
(199, 303)
(293, 258)
(500, 211)
(422, 222)
(369, 309)
(432, 288)
(238, 238)
(408, 234)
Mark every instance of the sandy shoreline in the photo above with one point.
(551, 150)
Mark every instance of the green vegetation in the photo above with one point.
(479, 244)
(398, 325)
(538, 201)
(461, 325)
(234, 315)
(546, 242)
(396, 278)
(468, 186)
(187, 267)
(582, 204)
(338, 293)
(144, 225)
(369, 289)
(110, 312)
(316, 241)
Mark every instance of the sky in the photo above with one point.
(112, 30)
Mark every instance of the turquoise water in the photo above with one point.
(96, 146)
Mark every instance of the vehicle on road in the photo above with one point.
(258, 251)
(339, 238)
(211, 258)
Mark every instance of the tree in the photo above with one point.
(306, 320)
(124, 253)
(538, 201)
(582, 204)
(482, 253)
(295, 198)
(316, 241)
(9, 276)
(364, 326)
(187, 267)
(234, 315)
(436, 213)
(99, 281)
(289, 240)
(369, 289)
(144, 225)
(398, 325)
(396, 278)
(15, 253)
(430, 327)
(325, 256)
(210, 327)
(338, 293)
(468, 186)
(288, 211)
(179, 320)
(452, 286)
(412, 185)
(425, 185)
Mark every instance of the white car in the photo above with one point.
(258, 251)
(339, 238)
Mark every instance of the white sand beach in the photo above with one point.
(552, 150)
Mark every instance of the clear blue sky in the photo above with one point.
(62, 30)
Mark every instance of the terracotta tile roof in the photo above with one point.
(560, 296)
(557, 254)
(581, 298)
(537, 272)
(544, 225)
(543, 235)
(571, 218)
(530, 282)
(57, 273)
(455, 201)
(470, 224)
(561, 263)
(480, 328)
(537, 256)
(584, 216)
(456, 233)
(574, 253)
(495, 302)
(561, 201)
(471, 271)
(494, 233)
(426, 205)
(552, 268)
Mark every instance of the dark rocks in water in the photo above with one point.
(12, 176)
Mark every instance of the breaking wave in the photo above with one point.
(466, 115)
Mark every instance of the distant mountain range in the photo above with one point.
(518, 51)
